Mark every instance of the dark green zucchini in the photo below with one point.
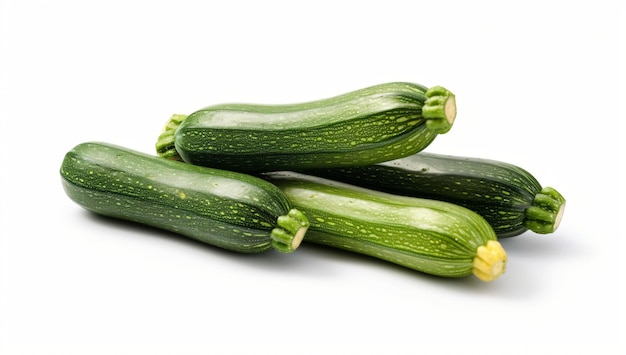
(430, 236)
(507, 196)
(231, 210)
(363, 127)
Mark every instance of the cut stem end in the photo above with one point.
(165, 145)
(490, 261)
(290, 232)
(439, 109)
(546, 212)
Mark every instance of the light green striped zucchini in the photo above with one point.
(430, 236)
(362, 127)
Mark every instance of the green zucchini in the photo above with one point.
(363, 127)
(231, 210)
(507, 196)
(430, 236)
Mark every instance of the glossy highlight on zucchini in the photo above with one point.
(430, 236)
(507, 196)
(230, 210)
(363, 127)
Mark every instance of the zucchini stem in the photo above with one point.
(439, 109)
(546, 212)
(290, 232)
(490, 261)
(165, 143)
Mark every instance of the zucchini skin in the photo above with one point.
(230, 210)
(507, 196)
(362, 127)
(430, 236)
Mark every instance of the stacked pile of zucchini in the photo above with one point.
(348, 172)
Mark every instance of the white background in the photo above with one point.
(538, 84)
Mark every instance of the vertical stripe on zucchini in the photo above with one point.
(231, 210)
(430, 236)
(366, 126)
(507, 196)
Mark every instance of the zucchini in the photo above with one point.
(363, 127)
(507, 196)
(430, 236)
(231, 210)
